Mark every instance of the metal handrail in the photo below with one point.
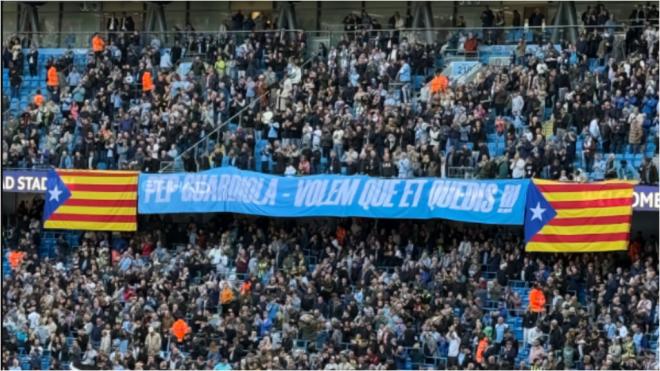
(223, 124)
(82, 39)
(35, 167)
(272, 30)
(619, 24)
(313, 33)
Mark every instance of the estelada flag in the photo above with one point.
(578, 217)
(91, 200)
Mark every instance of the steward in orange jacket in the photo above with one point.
(52, 80)
(147, 82)
(98, 45)
(536, 299)
(439, 83)
(38, 99)
(481, 349)
(180, 328)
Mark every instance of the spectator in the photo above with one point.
(33, 60)
(537, 299)
(648, 172)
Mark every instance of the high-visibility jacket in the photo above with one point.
(439, 83)
(147, 82)
(220, 66)
(226, 296)
(52, 80)
(98, 45)
(481, 349)
(536, 300)
(15, 259)
(246, 287)
(180, 329)
(38, 100)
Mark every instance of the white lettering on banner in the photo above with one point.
(205, 188)
(407, 191)
(24, 183)
(462, 196)
(377, 193)
(150, 189)
(159, 189)
(645, 200)
(29, 183)
(325, 192)
(8, 183)
(271, 194)
(509, 198)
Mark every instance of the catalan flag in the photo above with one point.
(91, 200)
(578, 217)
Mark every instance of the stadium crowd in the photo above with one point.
(236, 292)
(352, 108)
(325, 294)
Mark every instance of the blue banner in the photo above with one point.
(228, 189)
(24, 181)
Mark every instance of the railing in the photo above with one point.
(463, 172)
(82, 39)
(441, 35)
(492, 35)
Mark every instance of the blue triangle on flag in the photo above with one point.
(538, 212)
(56, 193)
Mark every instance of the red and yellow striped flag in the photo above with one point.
(91, 200)
(578, 217)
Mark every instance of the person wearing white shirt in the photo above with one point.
(338, 142)
(35, 319)
(517, 167)
(534, 334)
(295, 74)
(454, 347)
(215, 254)
(89, 357)
(517, 104)
(316, 138)
(290, 170)
(465, 249)
(166, 61)
(594, 129)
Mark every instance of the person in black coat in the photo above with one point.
(33, 59)
(15, 80)
(175, 53)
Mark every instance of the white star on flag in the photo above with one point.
(537, 212)
(55, 194)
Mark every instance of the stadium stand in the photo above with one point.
(261, 293)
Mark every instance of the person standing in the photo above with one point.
(53, 80)
(98, 45)
(33, 59)
(15, 80)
